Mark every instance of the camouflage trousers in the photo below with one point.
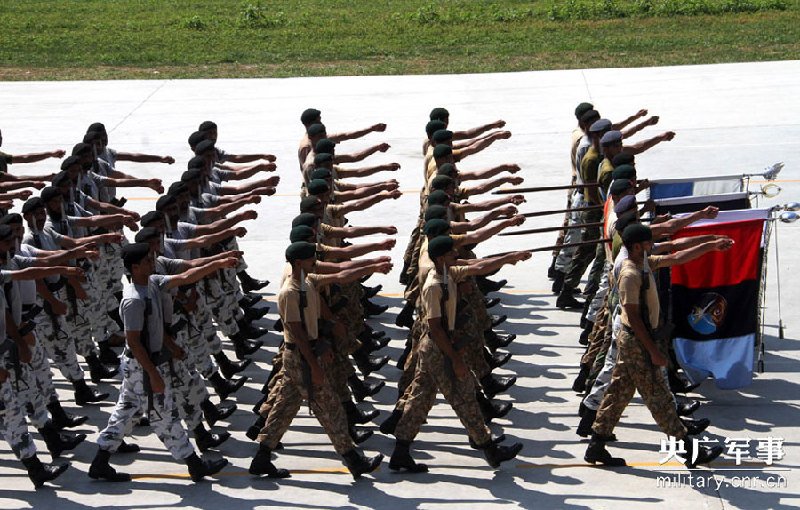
(30, 389)
(190, 390)
(602, 291)
(603, 379)
(584, 255)
(277, 377)
(572, 235)
(431, 374)
(597, 342)
(562, 233)
(223, 308)
(199, 347)
(51, 331)
(165, 418)
(410, 367)
(289, 393)
(12, 423)
(634, 371)
(101, 298)
(412, 243)
(351, 317)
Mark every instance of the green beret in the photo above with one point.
(583, 108)
(165, 201)
(196, 163)
(49, 193)
(309, 115)
(207, 125)
(623, 158)
(145, 234)
(306, 219)
(636, 233)
(301, 250)
(190, 175)
(433, 126)
(81, 148)
(151, 217)
(435, 211)
(11, 218)
(5, 232)
(439, 246)
(441, 151)
(308, 203)
(441, 182)
(321, 173)
(439, 114)
(315, 129)
(325, 145)
(620, 186)
(176, 188)
(204, 146)
(443, 135)
(32, 204)
(436, 227)
(61, 179)
(196, 137)
(300, 233)
(447, 169)
(96, 126)
(134, 253)
(624, 172)
(438, 197)
(318, 187)
(69, 161)
(322, 157)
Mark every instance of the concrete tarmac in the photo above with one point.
(729, 119)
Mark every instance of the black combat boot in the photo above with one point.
(405, 319)
(86, 395)
(579, 385)
(62, 419)
(495, 440)
(596, 452)
(225, 387)
(40, 473)
(58, 442)
(206, 440)
(356, 416)
(213, 413)
(230, 368)
(101, 469)
(199, 468)
(492, 410)
(368, 363)
(493, 385)
(363, 389)
(250, 284)
(495, 454)
(358, 464)
(98, 371)
(705, 454)
(262, 465)
(401, 459)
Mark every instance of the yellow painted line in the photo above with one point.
(638, 464)
(177, 476)
(400, 294)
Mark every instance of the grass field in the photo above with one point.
(105, 39)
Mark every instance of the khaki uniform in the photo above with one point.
(634, 370)
(433, 366)
(295, 385)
